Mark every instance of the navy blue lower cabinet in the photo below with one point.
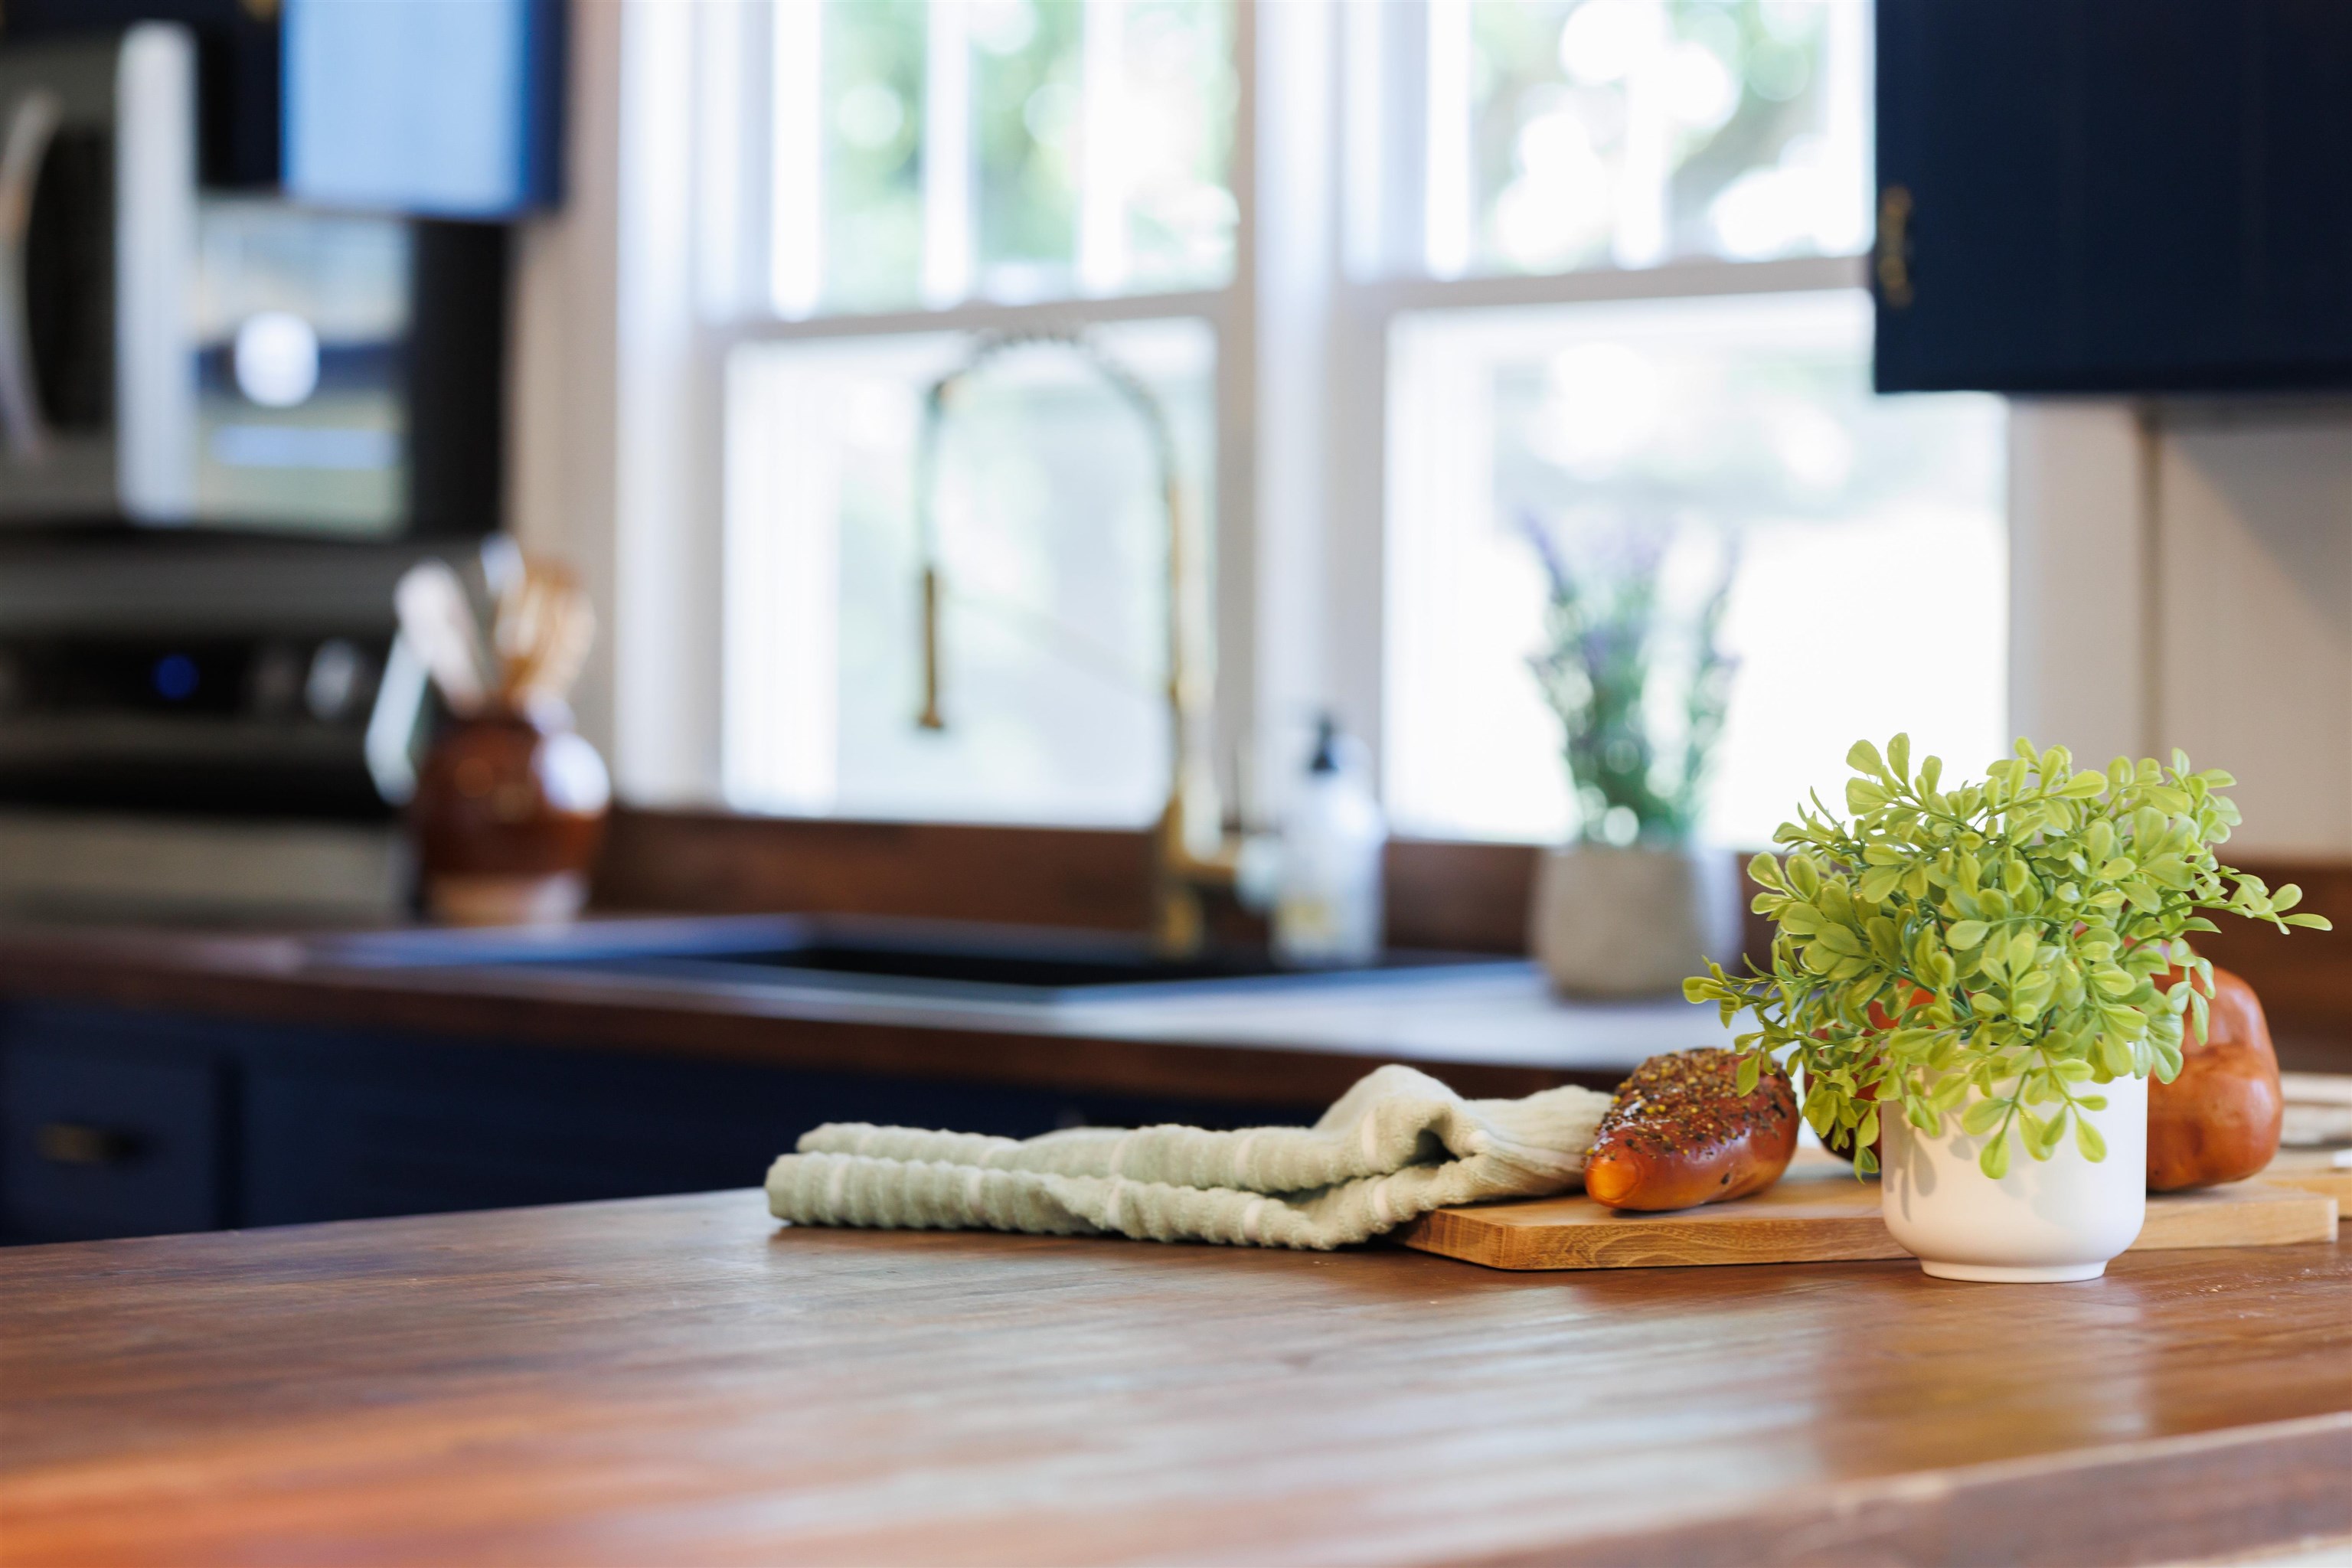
(112, 1132)
(418, 1128)
(121, 1122)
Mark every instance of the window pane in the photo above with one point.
(1026, 81)
(872, 132)
(1630, 132)
(1175, 138)
(1008, 149)
(1054, 544)
(1860, 523)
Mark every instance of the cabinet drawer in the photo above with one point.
(102, 1145)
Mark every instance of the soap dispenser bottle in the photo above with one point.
(1327, 906)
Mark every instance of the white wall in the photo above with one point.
(2253, 597)
(2077, 563)
(618, 474)
(2183, 577)
(561, 400)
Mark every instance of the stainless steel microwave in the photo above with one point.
(172, 356)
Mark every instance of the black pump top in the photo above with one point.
(1327, 745)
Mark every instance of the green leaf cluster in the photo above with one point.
(1640, 690)
(1994, 946)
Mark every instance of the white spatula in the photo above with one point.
(438, 620)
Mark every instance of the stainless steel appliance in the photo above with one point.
(204, 728)
(171, 355)
(96, 217)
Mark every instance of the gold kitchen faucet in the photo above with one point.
(1193, 855)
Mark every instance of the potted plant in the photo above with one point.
(1640, 690)
(1973, 972)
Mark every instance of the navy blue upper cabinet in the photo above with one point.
(2113, 196)
(442, 108)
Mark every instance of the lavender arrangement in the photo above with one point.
(1640, 687)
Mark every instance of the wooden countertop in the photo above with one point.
(681, 1380)
(1485, 1033)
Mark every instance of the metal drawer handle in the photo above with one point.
(1895, 248)
(79, 1144)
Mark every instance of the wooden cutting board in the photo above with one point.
(1817, 1212)
(2315, 1171)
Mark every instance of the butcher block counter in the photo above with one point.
(680, 1380)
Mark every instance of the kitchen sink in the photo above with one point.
(875, 955)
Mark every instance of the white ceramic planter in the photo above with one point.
(1637, 921)
(2060, 1218)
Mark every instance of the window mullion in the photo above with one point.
(719, 113)
(1386, 298)
(1640, 232)
(1448, 173)
(1384, 95)
(986, 315)
(948, 161)
(795, 237)
(1847, 64)
(1103, 156)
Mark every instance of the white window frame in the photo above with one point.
(1391, 263)
(688, 293)
(632, 432)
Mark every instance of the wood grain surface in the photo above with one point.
(2315, 1171)
(681, 1381)
(1465, 896)
(704, 862)
(1817, 1214)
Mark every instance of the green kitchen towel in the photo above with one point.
(1396, 1145)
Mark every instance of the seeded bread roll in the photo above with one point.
(1680, 1135)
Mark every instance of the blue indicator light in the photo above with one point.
(174, 677)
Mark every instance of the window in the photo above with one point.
(1745, 419)
(1630, 302)
(940, 175)
(1597, 261)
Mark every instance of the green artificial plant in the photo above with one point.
(2004, 937)
(1609, 639)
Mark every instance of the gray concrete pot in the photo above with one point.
(1610, 923)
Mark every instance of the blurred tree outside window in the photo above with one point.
(872, 135)
(1636, 131)
(1013, 151)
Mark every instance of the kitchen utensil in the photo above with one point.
(543, 626)
(438, 621)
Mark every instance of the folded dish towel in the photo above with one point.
(1396, 1145)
